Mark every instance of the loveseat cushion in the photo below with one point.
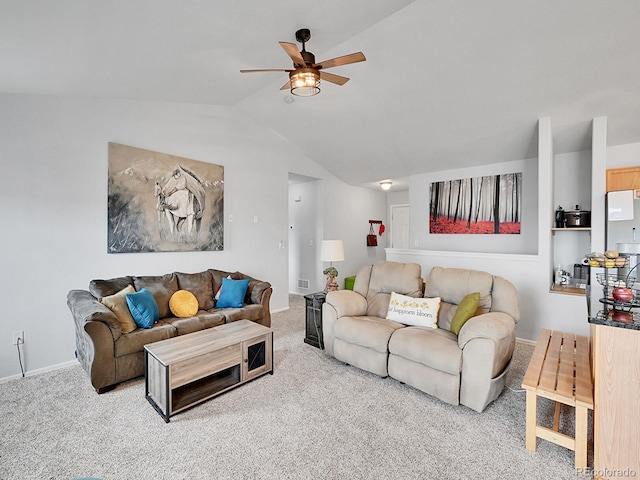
(200, 284)
(161, 287)
(366, 331)
(453, 284)
(387, 277)
(135, 341)
(201, 321)
(104, 288)
(247, 312)
(437, 349)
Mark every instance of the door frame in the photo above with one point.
(391, 207)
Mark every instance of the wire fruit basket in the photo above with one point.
(608, 280)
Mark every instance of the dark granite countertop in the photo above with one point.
(606, 318)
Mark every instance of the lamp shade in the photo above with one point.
(332, 251)
(305, 82)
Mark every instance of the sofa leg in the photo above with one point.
(105, 389)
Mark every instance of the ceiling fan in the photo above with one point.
(304, 79)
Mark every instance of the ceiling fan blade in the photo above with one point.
(344, 60)
(292, 51)
(330, 77)
(265, 70)
(286, 86)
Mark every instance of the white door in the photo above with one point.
(399, 226)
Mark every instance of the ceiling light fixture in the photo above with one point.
(305, 82)
(386, 185)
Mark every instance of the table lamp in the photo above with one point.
(331, 251)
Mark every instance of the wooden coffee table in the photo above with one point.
(183, 371)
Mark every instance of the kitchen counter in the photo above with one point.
(602, 318)
(616, 382)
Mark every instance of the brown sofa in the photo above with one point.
(110, 356)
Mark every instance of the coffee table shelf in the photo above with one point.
(183, 371)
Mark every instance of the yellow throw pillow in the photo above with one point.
(183, 304)
(117, 303)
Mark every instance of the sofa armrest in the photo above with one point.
(261, 294)
(86, 308)
(341, 303)
(495, 326)
(487, 343)
(347, 303)
(257, 290)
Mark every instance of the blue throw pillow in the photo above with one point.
(143, 308)
(232, 293)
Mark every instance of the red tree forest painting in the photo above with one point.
(489, 205)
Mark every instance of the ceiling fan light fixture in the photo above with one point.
(305, 82)
(386, 185)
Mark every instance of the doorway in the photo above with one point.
(305, 234)
(399, 226)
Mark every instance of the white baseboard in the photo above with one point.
(278, 310)
(51, 368)
(38, 371)
(525, 341)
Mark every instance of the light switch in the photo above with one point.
(255, 219)
(230, 218)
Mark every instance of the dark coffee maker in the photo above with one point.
(581, 271)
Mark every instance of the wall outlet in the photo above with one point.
(18, 337)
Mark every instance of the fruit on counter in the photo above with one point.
(622, 294)
(596, 259)
(624, 317)
(621, 261)
(609, 263)
(611, 254)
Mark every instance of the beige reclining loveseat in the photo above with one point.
(468, 368)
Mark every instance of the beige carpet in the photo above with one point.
(315, 418)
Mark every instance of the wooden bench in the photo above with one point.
(559, 370)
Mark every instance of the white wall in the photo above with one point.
(523, 243)
(529, 273)
(54, 190)
(398, 198)
(347, 211)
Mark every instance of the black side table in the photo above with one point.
(313, 323)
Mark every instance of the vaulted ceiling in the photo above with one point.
(446, 84)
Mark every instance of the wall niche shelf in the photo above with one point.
(570, 229)
(566, 290)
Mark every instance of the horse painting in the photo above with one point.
(163, 203)
(180, 205)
